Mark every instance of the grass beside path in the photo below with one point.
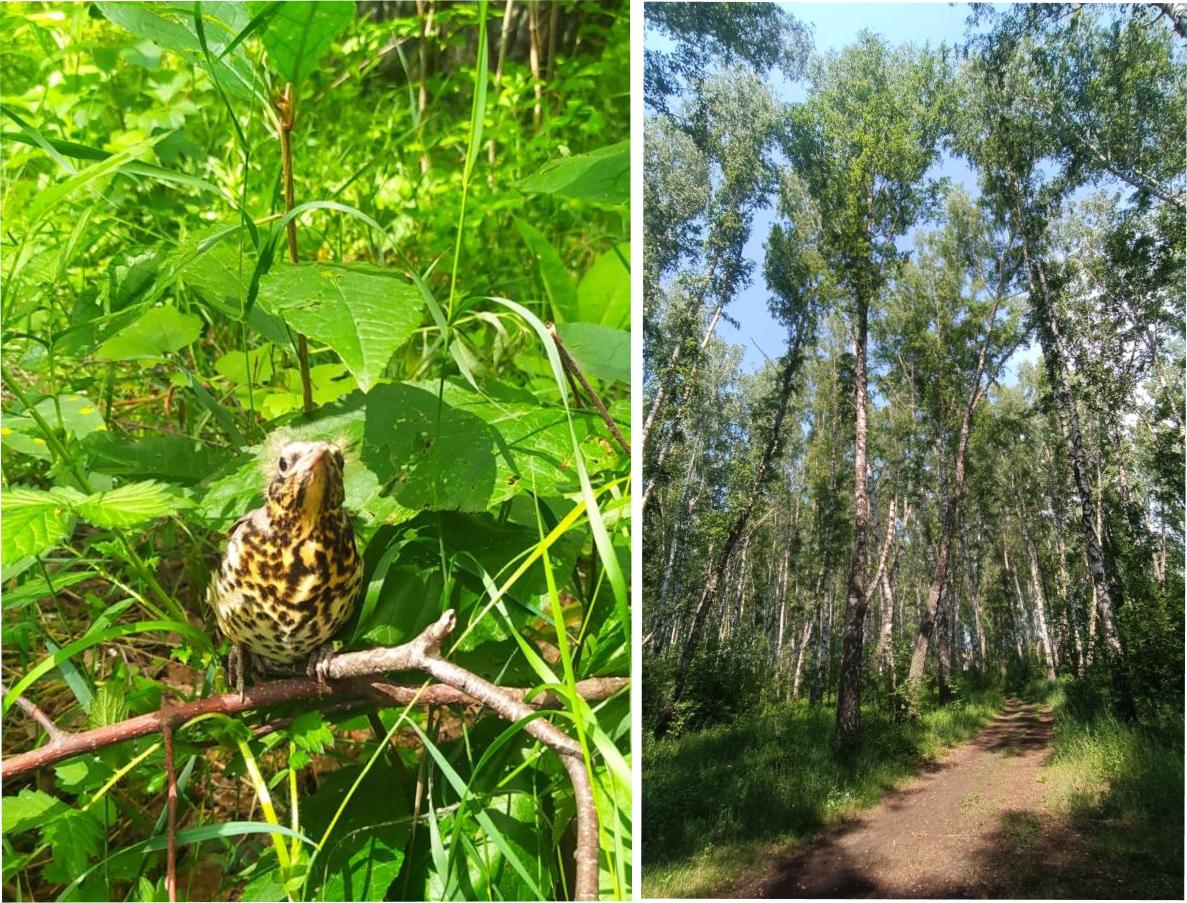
(1121, 787)
(719, 802)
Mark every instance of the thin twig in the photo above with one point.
(275, 693)
(34, 712)
(171, 804)
(287, 108)
(571, 367)
(420, 654)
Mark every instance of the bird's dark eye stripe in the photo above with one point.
(283, 464)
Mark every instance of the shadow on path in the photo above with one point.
(975, 826)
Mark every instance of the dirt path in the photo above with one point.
(974, 826)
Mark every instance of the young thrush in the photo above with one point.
(291, 574)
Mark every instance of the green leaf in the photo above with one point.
(78, 417)
(176, 459)
(559, 285)
(599, 350)
(74, 838)
(311, 734)
(299, 34)
(602, 176)
(534, 451)
(171, 31)
(29, 809)
(433, 456)
(38, 588)
(604, 293)
(159, 331)
(364, 853)
(34, 521)
(110, 705)
(132, 504)
(220, 274)
(363, 313)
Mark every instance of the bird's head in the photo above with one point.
(306, 480)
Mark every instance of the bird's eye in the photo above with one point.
(283, 464)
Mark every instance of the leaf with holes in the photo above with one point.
(363, 313)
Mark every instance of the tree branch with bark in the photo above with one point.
(354, 676)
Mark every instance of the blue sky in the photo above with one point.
(835, 25)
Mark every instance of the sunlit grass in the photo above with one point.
(717, 803)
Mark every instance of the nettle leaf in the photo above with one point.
(34, 520)
(132, 504)
(220, 275)
(599, 350)
(363, 313)
(158, 332)
(110, 705)
(311, 735)
(602, 176)
(74, 837)
(299, 34)
(535, 451)
(29, 809)
(173, 29)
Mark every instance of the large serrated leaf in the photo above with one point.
(363, 313)
(34, 521)
(29, 809)
(433, 456)
(129, 505)
(173, 29)
(298, 34)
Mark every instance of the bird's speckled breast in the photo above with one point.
(282, 593)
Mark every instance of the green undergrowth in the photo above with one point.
(1122, 786)
(717, 802)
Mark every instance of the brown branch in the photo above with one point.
(47, 723)
(286, 105)
(572, 368)
(352, 674)
(171, 804)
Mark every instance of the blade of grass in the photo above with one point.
(70, 650)
(477, 114)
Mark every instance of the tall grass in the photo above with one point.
(1122, 785)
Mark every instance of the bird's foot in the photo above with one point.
(318, 665)
(237, 665)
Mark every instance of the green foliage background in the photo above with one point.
(455, 191)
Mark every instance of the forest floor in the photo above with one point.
(982, 821)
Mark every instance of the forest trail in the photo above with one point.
(974, 825)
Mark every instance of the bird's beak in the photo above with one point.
(312, 470)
